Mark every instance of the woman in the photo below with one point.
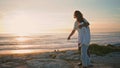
(82, 26)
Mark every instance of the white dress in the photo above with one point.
(83, 40)
(83, 33)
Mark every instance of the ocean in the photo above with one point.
(13, 44)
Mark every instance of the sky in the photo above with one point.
(56, 16)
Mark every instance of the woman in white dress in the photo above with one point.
(82, 26)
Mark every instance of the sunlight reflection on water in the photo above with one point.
(42, 43)
(23, 51)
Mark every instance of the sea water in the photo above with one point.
(10, 44)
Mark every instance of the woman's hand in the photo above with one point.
(80, 26)
(73, 31)
(68, 38)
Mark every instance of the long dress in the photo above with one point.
(84, 41)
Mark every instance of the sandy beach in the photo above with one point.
(59, 59)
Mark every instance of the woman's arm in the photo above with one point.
(73, 31)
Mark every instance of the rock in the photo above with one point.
(111, 58)
(22, 66)
(68, 56)
(61, 56)
(114, 54)
(9, 65)
(10, 59)
(5, 59)
(69, 53)
(48, 63)
(73, 57)
(5, 66)
(41, 56)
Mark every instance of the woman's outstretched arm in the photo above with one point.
(73, 31)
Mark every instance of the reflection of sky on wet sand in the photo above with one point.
(27, 51)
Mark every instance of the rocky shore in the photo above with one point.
(60, 59)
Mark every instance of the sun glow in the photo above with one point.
(22, 39)
(21, 51)
(20, 23)
(26, 22)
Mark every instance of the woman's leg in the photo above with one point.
(79, 47)
(89, 61)
(88, 51)
(79, 50)
(84, 55)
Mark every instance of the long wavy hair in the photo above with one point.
(79, 17)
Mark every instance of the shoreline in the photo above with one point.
(93, 47)
(32, 51)
(109, 58)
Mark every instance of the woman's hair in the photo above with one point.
(80, 18)
(78, 15)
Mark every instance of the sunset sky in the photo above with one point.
(56, 16)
